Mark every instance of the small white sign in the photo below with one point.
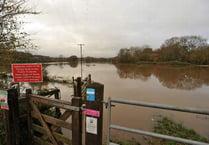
(91, 125)
(4, 100)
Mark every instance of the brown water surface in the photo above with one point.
(185, 86)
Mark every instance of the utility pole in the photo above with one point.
(81, 46)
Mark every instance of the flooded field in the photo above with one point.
(172, 85)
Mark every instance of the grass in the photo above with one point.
(127, 143)
(168, 127)
(175, 63)
(164, 62)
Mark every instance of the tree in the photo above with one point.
(172, 53)
(72, 58)
(134, 54)
(11, 36)
(188, 43)
(144, 54)
(126, 55)
(200, 56)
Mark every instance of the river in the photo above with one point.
(184, 86)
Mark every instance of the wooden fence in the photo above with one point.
(32, 125)
(46, 129)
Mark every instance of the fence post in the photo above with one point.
(74, 86)
(12, 118)
(76, 122)
(89, 79)
(30, 131)
(94, 113)
(78, 87)
(56, 96)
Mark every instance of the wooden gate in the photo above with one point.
(45, 129)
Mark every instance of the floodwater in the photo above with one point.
(183, 86)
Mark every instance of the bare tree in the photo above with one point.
(11, 35)
(188, 43)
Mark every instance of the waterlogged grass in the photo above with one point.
(165, 63)
(127, 143)
(175, 63)
(168, 127)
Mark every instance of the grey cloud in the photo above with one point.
(105, 26)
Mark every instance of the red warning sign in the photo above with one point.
(27, 72)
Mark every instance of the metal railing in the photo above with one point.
(151, 105)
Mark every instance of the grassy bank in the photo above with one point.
(167, 126)
(127, 143)
(174, 63)
(165, 63)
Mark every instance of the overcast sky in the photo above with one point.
(105, 26)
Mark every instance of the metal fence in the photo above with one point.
(151, 105)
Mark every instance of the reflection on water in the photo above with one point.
(187, 78)
(73, 64)
(148, 83)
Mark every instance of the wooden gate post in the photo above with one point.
(77, 122)
(30, 131)
(94, 113)
(56, 96)
(12, 118)
(77, 87)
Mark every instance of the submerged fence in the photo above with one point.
(151, 105)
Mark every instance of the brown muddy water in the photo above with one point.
(183, 86)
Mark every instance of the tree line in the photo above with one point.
(187, 49)
(26, 57)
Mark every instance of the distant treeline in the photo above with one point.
(187, 49)
(8, 57)
(101, 59)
